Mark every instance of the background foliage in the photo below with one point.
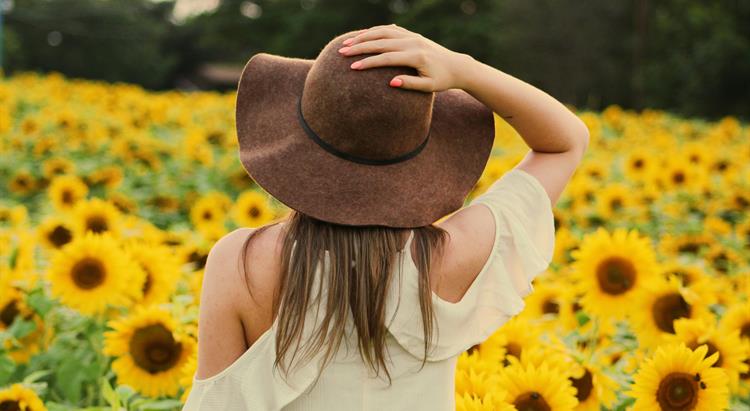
(687, 56)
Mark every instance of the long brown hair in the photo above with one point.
(362, 288)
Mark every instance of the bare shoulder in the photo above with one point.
(230, 321)
(257, 265)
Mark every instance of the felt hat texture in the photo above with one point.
(343, 146)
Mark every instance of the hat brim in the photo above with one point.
(287, 164)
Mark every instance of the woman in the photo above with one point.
(370, 144)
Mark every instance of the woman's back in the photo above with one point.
(522, 248)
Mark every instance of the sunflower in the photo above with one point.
(684, 243)
(473, 359)
(737, 317)
(151, 351)
(506, 345)
(12, 307)
(252, 209)
(96, 216)
(213, 233)
(54, 232)
(594, 387)
(582, 192)
(661, 302)
(678, 378)
(545, 302)
(65, 191)
(696, 154)
(722, 259)
(23, 265)
(207, 211)
(161, 271)
(124, 203)
(537, 388)
(612, 200)
(565, 242)
(475, 382)
(702, 330)
(692, 277)
(22, 183)
(193, 254)
(638, 164)
(13, 216)
(492, 401)
(166, 203)
(57, 166)
(609, 268)
(595, 169)
(108, 176)
(678, 174)
(17, 397)
(91, 272)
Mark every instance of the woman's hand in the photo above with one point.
(439, 68)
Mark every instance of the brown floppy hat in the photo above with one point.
(343, 146)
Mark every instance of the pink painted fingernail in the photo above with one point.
(348, 41)
(343, 50)
(397, 82)
(356, 64)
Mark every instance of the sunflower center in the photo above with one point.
(678, 177)
(9, 313)
(550, 307)
(638, 163)
(668, 308)
(198, 259)
(616, 203)
(473, 348)
(746, 375)
(206, 215)
(88, 273)
(678, 391)
(576, 307)
(67, 197)
(9, 405)
(721, 262)
(745, 330)
(531, 401)
(711, 350)
(616, 275)
(616, 357)
(584, 385)
(96, 224)
(684, 276)
(690, 248)
(147, 283)
(154, 349)
(23, 182)
(254, 212)
(511, 349)
(60, 236)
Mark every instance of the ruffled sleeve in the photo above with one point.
(523, 248)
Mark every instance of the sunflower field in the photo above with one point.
(112, 196)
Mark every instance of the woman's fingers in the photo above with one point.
(376, 46)
(391, 58)
(413, 83)
(375, 33)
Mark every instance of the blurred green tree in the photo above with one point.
(113, 40)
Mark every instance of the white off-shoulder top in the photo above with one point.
(523, 248)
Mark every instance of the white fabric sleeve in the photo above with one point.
(523, 248)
